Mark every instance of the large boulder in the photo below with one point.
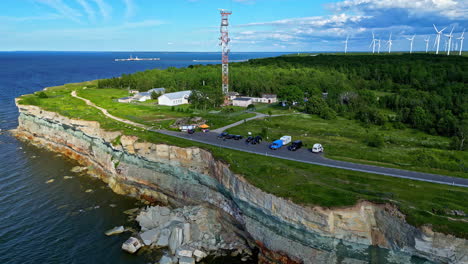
(186, 260)
(150, 236)
(166, 260)
(115, 230)
(163, 240)
(176, 239)
(132, 245)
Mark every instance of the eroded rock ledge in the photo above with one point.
(284, 231)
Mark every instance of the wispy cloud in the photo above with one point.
(129, 8)
(62, 9)
(88, 9)
(104, 9)
(30, 18)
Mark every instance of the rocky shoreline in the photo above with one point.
(284, 232)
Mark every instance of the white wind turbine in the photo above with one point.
(450, 36)
(373, 43)
(346, 44)
(411, 45)
(461, 38)
(390, 43)
(427, 43)
(437, 40)
(378, 49)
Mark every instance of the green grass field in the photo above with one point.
(423, 203)
(345, 139)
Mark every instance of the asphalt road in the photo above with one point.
(304, 155)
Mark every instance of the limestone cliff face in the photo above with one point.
(284, 231)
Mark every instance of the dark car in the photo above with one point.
(228, 136)
(222, 135)
(295, 145)
(191, 131)
(238, 137)
(249, 139)
(257, 140)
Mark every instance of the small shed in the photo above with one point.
(125, 99)
(177, 98)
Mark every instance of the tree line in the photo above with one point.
(426, 92)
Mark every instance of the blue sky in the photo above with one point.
(193, 25)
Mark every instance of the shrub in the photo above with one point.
(42, 95)
(251, 107)
(375, 140)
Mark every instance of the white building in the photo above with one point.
(266, 99)
(177, 98)
(242, 101)
(125, 99)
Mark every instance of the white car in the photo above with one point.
(317, 148)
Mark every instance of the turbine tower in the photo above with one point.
(378, 50)
(411, 45)
(427, 43)
(225, 48)
(437, 40)
(450, 36)
(346, 45)
(390, 43)
(373, 43)
(461, 38)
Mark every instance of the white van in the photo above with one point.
(317, 148)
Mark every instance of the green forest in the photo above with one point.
(426, 92)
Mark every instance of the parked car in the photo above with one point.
(317, 148)
(257, 140)
(222, 135)
(249, 139)
(191, 131)
(229, 136)
(237, 137)
(295, 145)
(276, 144)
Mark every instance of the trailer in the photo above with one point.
(286, 139)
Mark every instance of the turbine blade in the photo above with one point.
(435, 28)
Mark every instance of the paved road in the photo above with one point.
(303, 155)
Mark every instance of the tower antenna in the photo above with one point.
(225, 48)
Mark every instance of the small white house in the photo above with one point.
(232, 95)
(143, 96)
(177, 98)
(242, 101)
(266, 99)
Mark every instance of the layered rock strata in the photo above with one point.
(284, 231)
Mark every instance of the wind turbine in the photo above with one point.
(378, 50)
(390, 43)
(450, 36)
(427, 43)
(411, 46)
(373, 43)
(461, 38)
(437, 40)
(346, 44)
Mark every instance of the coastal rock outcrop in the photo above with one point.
(283, 231)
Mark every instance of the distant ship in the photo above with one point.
(138, 59)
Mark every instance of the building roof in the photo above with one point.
(242, 99)
(157, 90)
(139, 95)
(232, 93)
(269, 95)
(125, 98)
(178, 95)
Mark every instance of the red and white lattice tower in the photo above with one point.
(225, 48)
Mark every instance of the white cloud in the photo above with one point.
(449, 8)
(130, 8)
(62, 9)
(88, 10)
(104, 9)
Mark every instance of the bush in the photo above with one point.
(42, 95)
(375, 140)
(251, 107)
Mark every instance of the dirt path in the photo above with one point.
(104, 111)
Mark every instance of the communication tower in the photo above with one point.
(225, 48)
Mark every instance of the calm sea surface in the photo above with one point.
(60, 222)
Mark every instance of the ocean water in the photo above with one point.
(60, 222)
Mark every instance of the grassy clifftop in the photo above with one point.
(423, 203)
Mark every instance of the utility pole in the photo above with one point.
(225, 49)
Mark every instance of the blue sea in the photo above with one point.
(59, 222)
